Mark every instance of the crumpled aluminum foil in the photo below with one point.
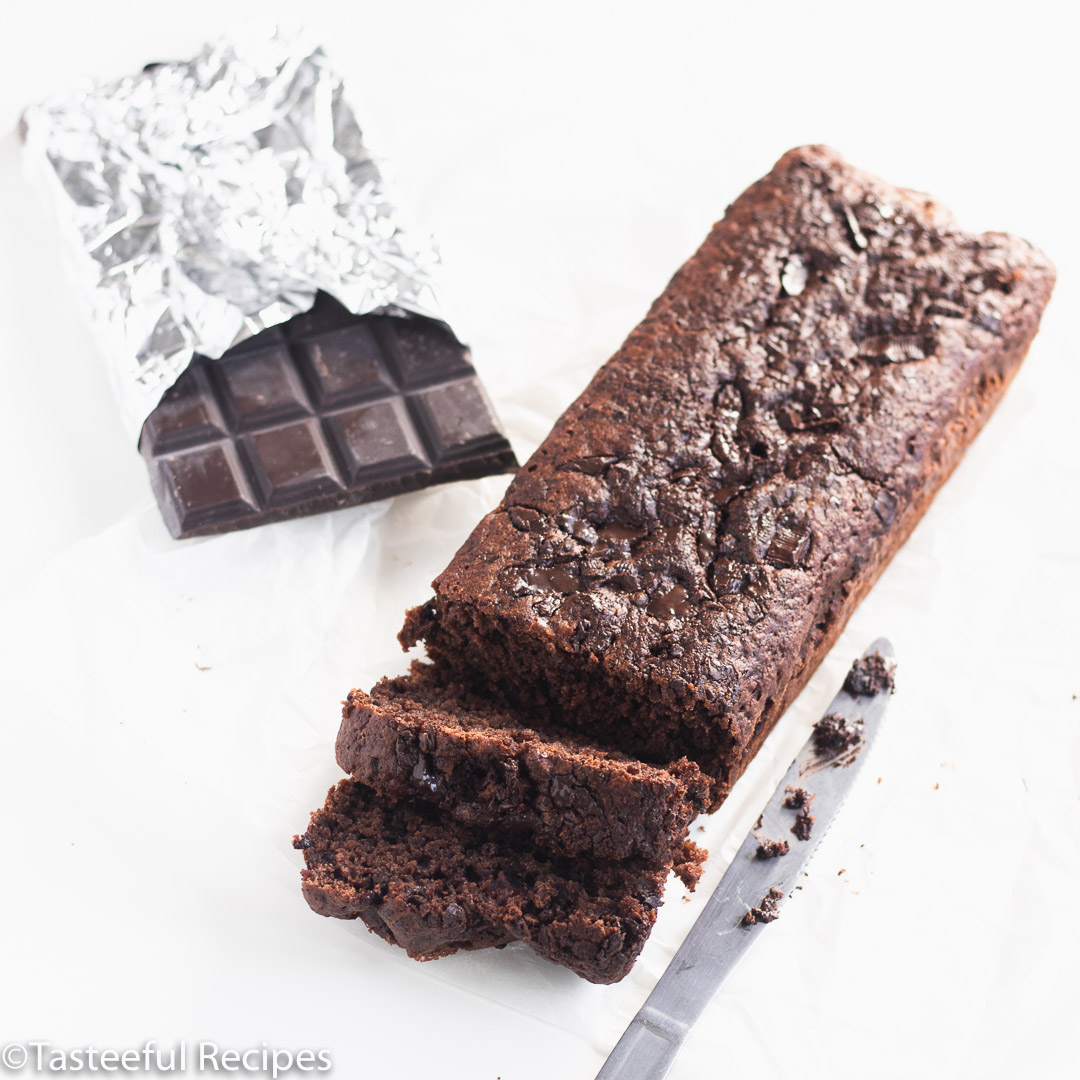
(208, 200)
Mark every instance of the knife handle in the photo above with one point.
(647, 1049)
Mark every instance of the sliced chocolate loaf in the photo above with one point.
(434, 886)
(675, 559)
(487, 767)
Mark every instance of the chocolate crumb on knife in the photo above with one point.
(767, 911)
(835, 733)
(804, 824)
(772, 849)
(871, 675)
(797, 797)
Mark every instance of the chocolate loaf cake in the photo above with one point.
(434, 886)
(672, 563)
(415, 737)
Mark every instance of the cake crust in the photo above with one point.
(672, 563)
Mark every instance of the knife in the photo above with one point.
(826, 766)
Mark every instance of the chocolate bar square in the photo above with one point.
(327, 410)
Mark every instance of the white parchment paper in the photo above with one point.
(171, 713)
(170, 708)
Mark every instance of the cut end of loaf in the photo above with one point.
(489, 766)
(435, 887)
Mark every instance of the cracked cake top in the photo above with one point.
(699, 514)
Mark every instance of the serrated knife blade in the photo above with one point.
(718, 939)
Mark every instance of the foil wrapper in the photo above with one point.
(210, 199)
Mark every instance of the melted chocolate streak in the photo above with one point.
(836, 759)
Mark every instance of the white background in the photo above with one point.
(568, 157)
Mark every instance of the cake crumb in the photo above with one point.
(772, 849)
(842, 870)
(689, 864)
(767, 911)
(797, 797)
(871, 675)
(835, 732)
(804, 824)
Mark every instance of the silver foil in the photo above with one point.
(208, 200)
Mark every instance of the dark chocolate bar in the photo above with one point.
(327, 410)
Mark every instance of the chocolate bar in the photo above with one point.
(327, 410)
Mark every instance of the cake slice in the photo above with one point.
(672, 563)
(491, 767)
(433, 886)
